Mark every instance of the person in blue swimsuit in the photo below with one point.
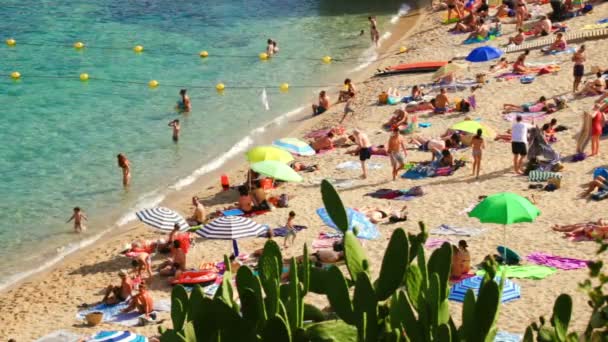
(184, 104)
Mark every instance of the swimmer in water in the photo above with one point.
(373, 28)
(124, 164)
(78, 216)
(184, 104)
(275, 47)
(269, 48)
(175, 125)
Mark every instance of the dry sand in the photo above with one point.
(49, 301)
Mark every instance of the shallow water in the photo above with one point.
(60, 136)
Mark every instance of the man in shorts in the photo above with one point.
(364, 150)
(579, 59)
(519, 143)
(395, 146)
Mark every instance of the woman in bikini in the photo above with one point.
(521, 13)
(477, 145)
(124, 164)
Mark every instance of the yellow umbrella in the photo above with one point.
(471, 126)
(262, 153)
(448, 69)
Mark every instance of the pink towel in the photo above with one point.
(432, 243)
(324, 243)
(562, 263)
(318, 133)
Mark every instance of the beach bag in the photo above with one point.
(283, 201)
(555, 181)
(383, 98)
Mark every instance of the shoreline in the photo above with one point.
(296, 124)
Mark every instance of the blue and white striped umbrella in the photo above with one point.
(231, 228)
(295, 146)
(162, 218)
(510, 292)
(366, 229)
(117, 336)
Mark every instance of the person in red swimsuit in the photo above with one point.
(597, 126)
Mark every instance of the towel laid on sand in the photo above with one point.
(282, 231)
(445, 229)
(525, 116)
(324, 243)
(356, 165)
(503, 336)
(561, 263)
(432, 243)
(60, 336)
(524, 271)
(542, 176)
(113, 314)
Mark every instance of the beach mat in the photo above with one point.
(555, 261)
(445, 229)
(60, 336)
(282, 231)
(503, 336)
(113, 314)
(432, 243)
(524, 271)
(356, 165)
(525, 116)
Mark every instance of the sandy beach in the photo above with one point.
(49, 301)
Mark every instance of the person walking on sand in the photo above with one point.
(78, 216)
(395, 146)
(579, 59)
(519, 143)
(373, 29)
(597, 125)
(348, 106)
(291, 229)
(124, 164)
(176, 128)
(184, 104)
(477, 145)
(364, 150)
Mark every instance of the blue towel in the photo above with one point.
(424, 124)
(233, 212)
(503, 336)
(282, 231)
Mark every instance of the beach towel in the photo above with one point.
(338, 183)
(479, 39)
(524, 271)
(432, 243)
(542, 176)
(399, 195)
(445, 229)
(282, 231)
(60, 336)
(571, 49)
(503, 336)
(113, 314)
(561, 263)
(318, 133)
(356, 165)
(324, 243)
(525, 116)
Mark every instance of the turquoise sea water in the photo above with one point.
(60, 136)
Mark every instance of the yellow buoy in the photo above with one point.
(153, 84)
(138, 48)
(15, 75)
(284, 86)
(11, 42)
(84, 76)
(78, 45)
(402, 49)
(327, 59)
(204, 54)
(263, 56)
(220, 87)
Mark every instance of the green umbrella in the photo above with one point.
(277, 170)
(505, 208)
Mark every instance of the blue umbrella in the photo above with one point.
(117, 336)
(484, 54)
(295, 146)
(511, 291)
(366, 229)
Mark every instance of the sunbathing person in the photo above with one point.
(258, 195)
(542, 27)
(517, 39)
(417, 93)
(327, 256)
(344, 141)
(323, 143)
(399, 119)
(412, 107)
(142, 302)
(593, 88)
(456, 269)
(592, 230)
(500, 65)
(598, 183)
(465, 256)
(468, 24)
(519, 67)
(376, 215)
(441, 102)
(177, 261)
(198, 216)
(539, 106)
(245, 202)
(481, 31)
(502, 11)
(447, 159)
(558, 45)
(297, 166)
(119, 293)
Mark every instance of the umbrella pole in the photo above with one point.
(504, 244)
(235, 246)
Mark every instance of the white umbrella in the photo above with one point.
(162, 218)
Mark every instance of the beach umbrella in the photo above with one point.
(162, 218)
(448, 69)
(231, 228)
(276, 170)
(117, 336)
(484, 54)
(262, 153)
(365, 228)
(471, 126)
(505, 208)
(295, 146)
(510, 292)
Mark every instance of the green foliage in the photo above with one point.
(333, 205)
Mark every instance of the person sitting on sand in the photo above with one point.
(592, 230)
(177, 261)
(399, 119)
(468, 24)
(349, 88)
(447, 159)
(593, 87)
(323, 143)
(539, 106)
(558, 45)
(542, 27)
(142, 302)
(323, 104)
(245, 202)
(502, 10)
(598, 183)
(198, 216)
(454, 6)
(456, 269)
(465, 256)
(481, 31)
(258, 195)
(441, 102)
(119, 293)
(519, 67)
(417, 93)
(500, 65)
(517, 39)
(549, 131)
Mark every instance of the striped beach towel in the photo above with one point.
(541, 176)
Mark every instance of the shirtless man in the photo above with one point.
(542, 27)
(399, 118)
(395, 146)
(373, 28)
(176, 128)
(323, 143)
(441, 102)
(184, 104)
(177, 261)
(142, 302)
(198, 217)
(323, 105)
(78, 216)
(579, 59)
(124, 164)
(518, 38)
(453, 6)
(364, 149)
(269, 48)
(117, 294)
